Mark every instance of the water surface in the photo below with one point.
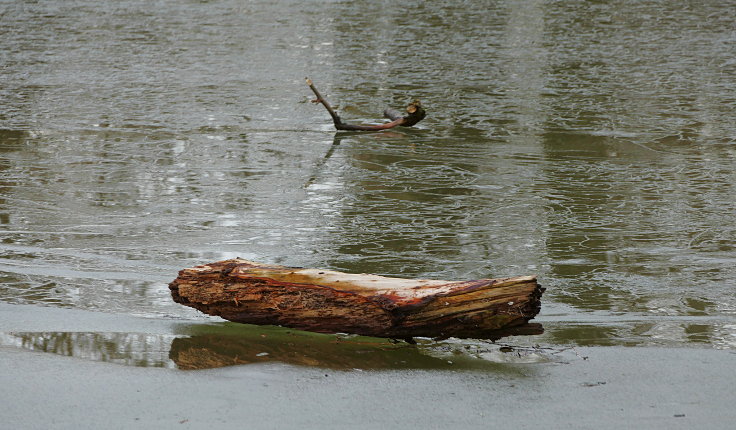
(589, 143)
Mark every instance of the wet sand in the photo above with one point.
(603, 387)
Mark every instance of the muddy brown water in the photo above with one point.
(592, 144)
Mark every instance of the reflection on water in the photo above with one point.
(206, 346)
(586, 143)
(719, 334)
(211, 346)
(131, 349)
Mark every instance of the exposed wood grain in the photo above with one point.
(327, 301)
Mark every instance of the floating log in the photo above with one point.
(415, 113)
(327, 301)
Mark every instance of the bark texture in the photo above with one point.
(327, 301)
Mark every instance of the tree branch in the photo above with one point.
(415, 114)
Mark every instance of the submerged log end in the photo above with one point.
(415, 112)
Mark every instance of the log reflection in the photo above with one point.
(219, 345)
(273, 344)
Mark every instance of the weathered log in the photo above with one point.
(327, 301)
(414, 110)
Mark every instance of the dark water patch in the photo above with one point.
(646, 331)
(12, 139)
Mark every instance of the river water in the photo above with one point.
(590, 143)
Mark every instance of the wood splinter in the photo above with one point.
(415, 114)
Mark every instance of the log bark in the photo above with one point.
(327, 301)
(415, 113)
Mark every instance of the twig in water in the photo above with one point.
(415, 114)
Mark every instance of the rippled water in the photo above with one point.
(590, 143)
